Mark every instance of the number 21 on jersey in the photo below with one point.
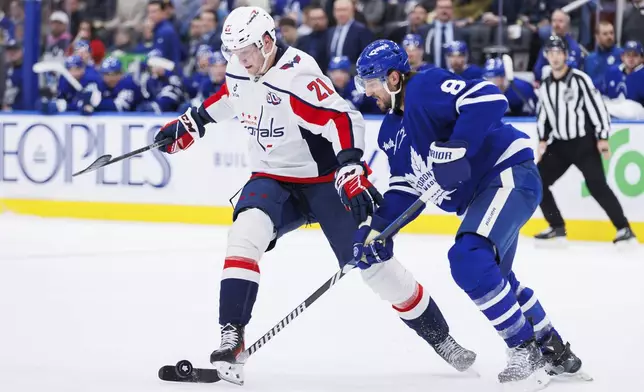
(318, 85)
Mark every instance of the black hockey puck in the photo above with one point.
(183, 368)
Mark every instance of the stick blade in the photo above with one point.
(97, 164)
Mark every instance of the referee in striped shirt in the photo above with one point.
(573, 126)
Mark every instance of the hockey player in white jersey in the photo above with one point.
(302, 136)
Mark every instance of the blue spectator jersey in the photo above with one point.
(523, 102)
(471, 71)
(13, 90)
(165, 91)
(597, 63)
(124, 97)
(635, 85)
(167, 41)
(441, 106)
(69, 93)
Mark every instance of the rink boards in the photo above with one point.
(40, 153)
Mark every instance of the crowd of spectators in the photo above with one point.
(186, 33)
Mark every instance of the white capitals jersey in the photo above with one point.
(296, 122)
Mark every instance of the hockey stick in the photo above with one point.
(508, 65)
(183, 371)
(58, 68)
(106, 160)
(386, 233)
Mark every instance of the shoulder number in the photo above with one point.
(452, 86)
(318, 85)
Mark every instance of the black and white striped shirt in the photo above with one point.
(571, 108)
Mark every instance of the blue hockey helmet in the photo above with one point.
(633, 46)
(456, 48)
(111, 65)
(82, 45)
(412, 40)
(494, 68)
(340, 63)
(378, 59)
(74, 61)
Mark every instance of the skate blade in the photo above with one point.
(231, 372)
(535, 382)
(580, 375)
(627, 245)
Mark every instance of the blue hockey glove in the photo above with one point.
(451, 167)
(368, 252)
(184, 130)
(356, 192)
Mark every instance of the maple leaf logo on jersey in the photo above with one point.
(291, 64)
(422, 179)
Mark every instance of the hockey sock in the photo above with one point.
(474, 268)
(421, 314)
(532, 309)
(396, 285)
(239, 285)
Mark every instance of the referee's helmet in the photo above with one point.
(556, 42)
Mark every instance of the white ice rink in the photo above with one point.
(100, 306)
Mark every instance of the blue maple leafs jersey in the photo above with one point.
(522, 100)
(124, 97)
(166, 91)
(471, 72)
(635, 85)
(613, 84)
(441, 106)
(69, 93)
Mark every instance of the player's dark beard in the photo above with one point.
(400, 97)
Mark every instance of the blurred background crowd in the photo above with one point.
(161, 55)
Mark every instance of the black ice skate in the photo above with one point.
(525, 370)
(560, 360)
(225, 357)
(624, 236)
(453, 353)
(552, 233)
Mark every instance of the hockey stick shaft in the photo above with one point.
(106, 160)
(386, 233)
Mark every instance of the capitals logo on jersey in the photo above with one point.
(254, 126)
(291, 64)
(273, 99)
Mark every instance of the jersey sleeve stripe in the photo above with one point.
(237, 77)
(472, 90)
(481, 99)
(223, 92)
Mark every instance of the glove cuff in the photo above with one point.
(349, 155)
(204, 116)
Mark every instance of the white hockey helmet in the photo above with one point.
(246, 26)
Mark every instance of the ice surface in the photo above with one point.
(100, 306)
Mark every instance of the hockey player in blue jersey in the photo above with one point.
(522, 100)
(618, 77)
(82, 49)
(413, 44)
(635, 69)
(116, 92)
(161, 87)
(13, 89)
(444, 137)
(67, 97)
(339, 71)
(457, 61)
